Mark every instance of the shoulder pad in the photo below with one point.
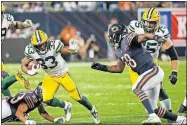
(56, 45)
(162, 31)
(9, 17)
(135, 26)
(17, 98)
(29, 50)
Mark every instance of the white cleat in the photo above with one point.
(181, 120)
(67, 111)
(95, 115)
(152, 120)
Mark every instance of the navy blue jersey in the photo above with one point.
(31, 99)
(134, 55)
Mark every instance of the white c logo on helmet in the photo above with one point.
(114, 29)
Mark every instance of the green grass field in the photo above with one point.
(110, 93)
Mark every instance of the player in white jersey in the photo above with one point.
(48, 54)
(150, 24)
(7, 21)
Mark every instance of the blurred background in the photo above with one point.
(88, 22)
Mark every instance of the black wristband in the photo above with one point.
(174, 73)
(104, 68)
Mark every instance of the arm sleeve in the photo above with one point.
(58, 46)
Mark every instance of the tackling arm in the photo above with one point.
(22, 108)
(44, 114)
(21, 25)
(117, 68)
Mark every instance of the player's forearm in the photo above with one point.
(21, 116)
(24, 68)
(144, 37)
(67, 51)
(18, 25)
(47, 117)
(114, 69)
(174, 64)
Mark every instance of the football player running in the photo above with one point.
(130, 51)
(7, 21)
(48, 54)
(151, 24)
(16, 107)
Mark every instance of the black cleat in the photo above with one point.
(182, 109)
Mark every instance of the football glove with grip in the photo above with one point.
(27, 23)
(161, 40)
(73, 45)
(173, 77)
(34, 70)
(30, 122)
(99, 66)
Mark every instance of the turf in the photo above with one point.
(110, 93)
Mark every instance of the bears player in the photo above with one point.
(130, 51)
(17, 106)
(151, 24)
(48, 54)
(7, 21)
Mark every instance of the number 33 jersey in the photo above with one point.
(51, 62)
(151, 46)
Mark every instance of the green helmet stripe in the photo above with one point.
(150, 13)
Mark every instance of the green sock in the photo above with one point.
(6, 92)
(8, 81)
(85, 102)
(57, 103)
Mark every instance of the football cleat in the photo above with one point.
(182, 109)
(181, 120)
(95, 115)
(67, 111)
(153, 120)
(22, 80)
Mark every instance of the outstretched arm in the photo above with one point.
(21, 25)
(44, 114)
(117, 68)
(72, 48)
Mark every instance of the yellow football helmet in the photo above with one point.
(2, 8)
(39, 41)
(151, 19)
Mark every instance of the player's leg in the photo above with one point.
(133, 75)
(147, 81)
(49, 88)
(9, 80)
(164, 99)
(70, 86)
(183, 107)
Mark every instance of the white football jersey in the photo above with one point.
(7, 22)
(151, 46)
(51, 62)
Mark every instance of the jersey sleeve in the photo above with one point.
(10, 19)
(163, 31)
(29, 50)
(132, 39)
(58, 46)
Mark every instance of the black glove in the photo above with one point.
(99, 66)
(161, 40)
(4, 74)
(173, 77)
